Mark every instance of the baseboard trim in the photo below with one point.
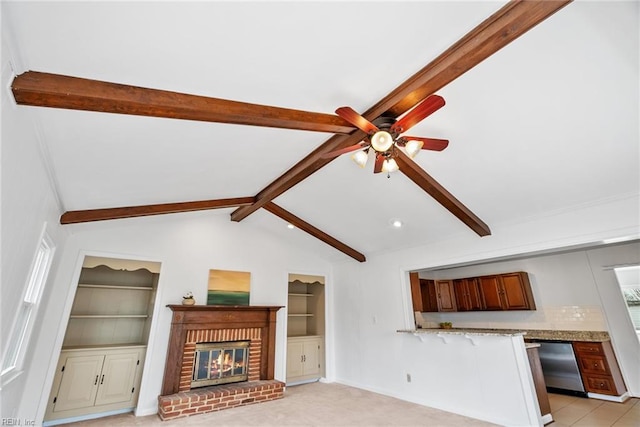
(620, 399)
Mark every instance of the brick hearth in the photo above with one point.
(216, 398)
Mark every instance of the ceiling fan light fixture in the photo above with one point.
(413, 147)
(381, 141)
(360, 158)
(389, 165)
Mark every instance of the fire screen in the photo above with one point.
(220, 362)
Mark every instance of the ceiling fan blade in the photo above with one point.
(345, 150)
(427, 107)
(57, 91)
(350, 115)
(416, 174)
(377, 167)
(433, 144)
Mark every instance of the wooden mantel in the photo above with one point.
(213, 317)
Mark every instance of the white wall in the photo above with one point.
(28, 202)
(372, 301)
(187, 245)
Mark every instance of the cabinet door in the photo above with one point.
(79, 383)
(474, 294)
(295, 355)
(117, 378)
(490, 288)
(446, 295)
(429, 297)
(311, 358)
(462, 294)
(516, 292)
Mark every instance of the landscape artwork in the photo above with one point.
(228, 287)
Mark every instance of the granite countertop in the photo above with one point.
(529, 334)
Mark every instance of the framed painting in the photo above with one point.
(228, 287)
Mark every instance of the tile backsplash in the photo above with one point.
(566, 317)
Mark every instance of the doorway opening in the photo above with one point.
(629, 281)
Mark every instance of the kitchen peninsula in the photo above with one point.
(491, 368)
(595, 360)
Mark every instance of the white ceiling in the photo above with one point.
(548, 123)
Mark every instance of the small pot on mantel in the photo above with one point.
(188, 301)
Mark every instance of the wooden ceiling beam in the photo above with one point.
(504, 26)
(305, 226)
(418, 175)
(74, 217)
(58, 91)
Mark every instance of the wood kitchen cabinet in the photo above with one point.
(423, 294)
(599, 368)
(509, 291)
(445, 294)
(468, 295)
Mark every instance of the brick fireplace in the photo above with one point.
(196, 325)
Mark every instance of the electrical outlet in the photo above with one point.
(408, 378)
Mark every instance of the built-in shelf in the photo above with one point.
(300, 295)
(125, 288)
(106, 338)
(108, 316)
(301, 315)
(99, 346)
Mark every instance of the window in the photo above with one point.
(23, 323)
(629, 280)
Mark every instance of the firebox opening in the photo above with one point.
(220, 363)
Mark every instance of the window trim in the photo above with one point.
(25, 316)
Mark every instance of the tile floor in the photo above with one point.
(578, 411)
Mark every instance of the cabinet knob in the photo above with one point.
(96, 383)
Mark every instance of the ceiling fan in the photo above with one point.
(508, 23)
(384, 136)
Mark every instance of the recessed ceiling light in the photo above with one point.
(290, 226)
(396, 223)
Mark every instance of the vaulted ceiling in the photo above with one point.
(546, 123)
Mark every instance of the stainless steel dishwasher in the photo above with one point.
(560, 368)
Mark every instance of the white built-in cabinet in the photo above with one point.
(304, 358)
(100, 380)
(100, 364)
(305, 329)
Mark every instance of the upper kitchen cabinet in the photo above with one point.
(509, 291)
(445, 294)
(423, 294)
(468, 295)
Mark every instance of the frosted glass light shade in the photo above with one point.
(389, 165)
(381, 141)
(360, 157)
(413, 147)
